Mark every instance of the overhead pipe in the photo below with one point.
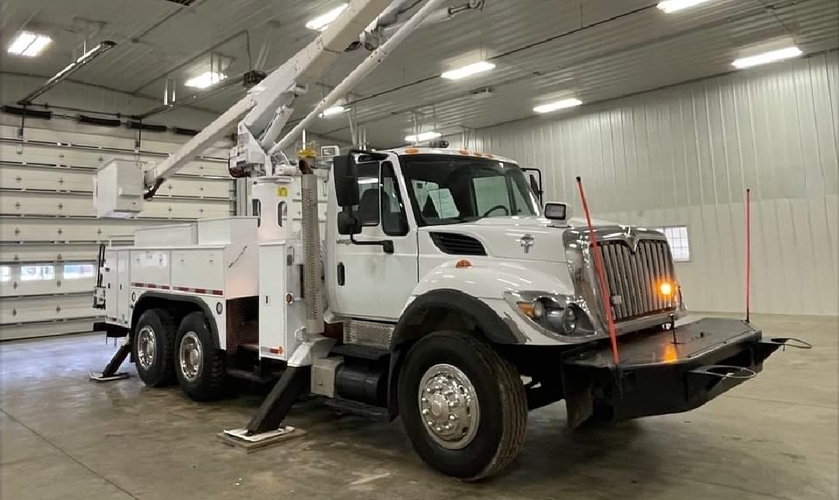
(68, 70)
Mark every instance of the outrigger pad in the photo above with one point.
(101, 377)
(241, 438)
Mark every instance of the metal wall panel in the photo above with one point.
(685, 155)
(48, 225)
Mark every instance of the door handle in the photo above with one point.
(341, 274)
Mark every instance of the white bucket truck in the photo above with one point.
(442, 292)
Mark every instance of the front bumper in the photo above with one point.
(664, 372)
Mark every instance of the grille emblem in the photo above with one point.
(631, 239)
(526, 242)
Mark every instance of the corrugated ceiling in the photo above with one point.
(593, 49)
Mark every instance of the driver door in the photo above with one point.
(371, 283)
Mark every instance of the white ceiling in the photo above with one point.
(593, 49)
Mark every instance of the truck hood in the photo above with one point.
(508, 237)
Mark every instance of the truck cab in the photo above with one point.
(441, 221)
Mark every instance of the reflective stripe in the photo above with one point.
(200, 291)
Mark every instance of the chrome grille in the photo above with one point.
(634, 277)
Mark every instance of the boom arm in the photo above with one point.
(122, 186)
(268, 104)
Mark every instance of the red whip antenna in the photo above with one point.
(748, 251)
(601, 276)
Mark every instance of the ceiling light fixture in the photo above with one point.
(424, 136)
(334, 110)
(28, 44)
(670, 6)
(205, 80)
(321, 22)
(557, 105)
(767, 57)
(469, 70)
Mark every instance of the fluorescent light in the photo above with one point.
(334, 110)
(425, 136)
(371, 180)
(205, 80)
(28, 44)
(767, 57)
(465, 71)
(670, 6)
(321, 22)
(557, 105)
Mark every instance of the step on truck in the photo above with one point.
(442, 292)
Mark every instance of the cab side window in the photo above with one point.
(394, 220)
(368, 193)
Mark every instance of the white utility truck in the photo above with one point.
(442, 293)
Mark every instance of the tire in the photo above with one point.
(474, 452)
(152, 348)
(199, 366)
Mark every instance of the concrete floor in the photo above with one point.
(63, 437)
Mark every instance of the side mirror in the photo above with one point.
(560, 212)
(348, 223)
(346, 181)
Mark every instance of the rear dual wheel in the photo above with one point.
(200, 367)
(152, 348)
(462, 404)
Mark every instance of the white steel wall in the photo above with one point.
(47, 217)
(685, 155)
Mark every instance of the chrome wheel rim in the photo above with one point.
(190, 356)
(146, 347)
(448, 405)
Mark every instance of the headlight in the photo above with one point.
(549, 314)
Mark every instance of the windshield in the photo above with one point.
(446, 189)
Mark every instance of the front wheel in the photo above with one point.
(462, 404)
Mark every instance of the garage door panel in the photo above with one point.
(28, 309)
(50, 179)
(57, 230)
(51, 135)
(19, 287)
(52, 205)
(45, 329)
(48, 253)
(199, 188)
(91, 158)
(34, 178)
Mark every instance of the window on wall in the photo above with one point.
(37, 273)
(677, 237)
(78, 271)
(5, 274)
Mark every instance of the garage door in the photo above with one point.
(49, 235)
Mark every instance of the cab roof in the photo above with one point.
(449, 151)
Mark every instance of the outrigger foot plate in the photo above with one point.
(243, 439)
(101, 377)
